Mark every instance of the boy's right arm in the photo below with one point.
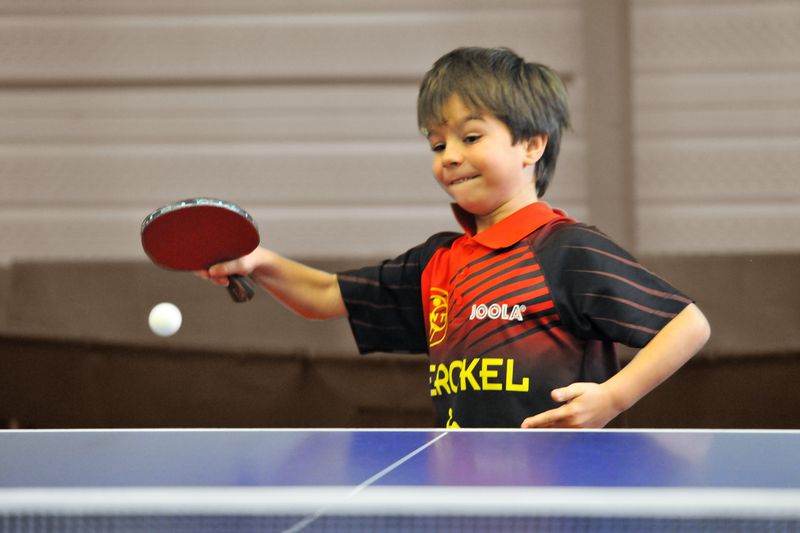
(309, 292)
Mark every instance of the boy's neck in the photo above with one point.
(473, 224)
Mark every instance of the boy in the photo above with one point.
(520, 313)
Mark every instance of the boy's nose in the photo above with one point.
(451, 157)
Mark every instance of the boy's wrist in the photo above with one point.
(263, 263)
(620, 398)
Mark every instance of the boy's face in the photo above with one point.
(476, 163)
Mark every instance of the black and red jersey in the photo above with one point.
(533, 303)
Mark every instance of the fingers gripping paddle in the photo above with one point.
(197, 233)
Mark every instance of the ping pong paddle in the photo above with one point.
(197, 233)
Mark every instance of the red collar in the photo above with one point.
(511, 229)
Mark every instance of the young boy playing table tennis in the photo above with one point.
(519, 314)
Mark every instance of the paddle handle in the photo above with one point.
(239, 288)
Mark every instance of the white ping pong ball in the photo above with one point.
(165, 319)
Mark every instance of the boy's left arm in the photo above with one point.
(593, 405)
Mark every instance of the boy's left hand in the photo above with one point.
(587, 405)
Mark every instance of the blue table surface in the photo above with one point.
(279, 458)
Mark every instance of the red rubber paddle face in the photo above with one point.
(193, 235)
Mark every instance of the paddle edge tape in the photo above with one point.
(194, 202)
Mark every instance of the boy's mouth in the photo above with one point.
(462, 180)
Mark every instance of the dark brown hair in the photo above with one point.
(529, 98)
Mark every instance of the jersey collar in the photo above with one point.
(511, 229)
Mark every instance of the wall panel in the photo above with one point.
(717, 126)
(305, 114)
(143, 48)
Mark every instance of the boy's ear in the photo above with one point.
(534, 149)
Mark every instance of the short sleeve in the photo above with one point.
(384, 302)
(602, 292)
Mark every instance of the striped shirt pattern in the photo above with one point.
(534, 303)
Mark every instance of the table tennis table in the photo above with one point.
(399, 480)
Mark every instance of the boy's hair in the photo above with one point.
(528, 97)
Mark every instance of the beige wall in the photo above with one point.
(716, 122)
(304, 113)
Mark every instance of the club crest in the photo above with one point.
(437, 318)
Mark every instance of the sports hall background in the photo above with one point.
(685, 148)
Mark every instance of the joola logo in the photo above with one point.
(497, 311)
(437, 319)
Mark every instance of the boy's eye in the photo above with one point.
(438, 147)
(472, 138)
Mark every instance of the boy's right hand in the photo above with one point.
(309, 292)
(242, 266)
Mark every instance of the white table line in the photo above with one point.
(312, 518)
